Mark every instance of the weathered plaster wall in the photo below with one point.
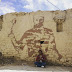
(21, 34)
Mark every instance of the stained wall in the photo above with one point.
(21, 35)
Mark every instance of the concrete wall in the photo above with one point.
(21, 34)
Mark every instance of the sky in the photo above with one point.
(8, 6)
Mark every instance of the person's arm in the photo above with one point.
(37, 59)
(44, 58)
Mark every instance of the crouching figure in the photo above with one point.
(40, 60)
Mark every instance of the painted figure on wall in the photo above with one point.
(36, 38)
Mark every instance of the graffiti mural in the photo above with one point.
(36, 38)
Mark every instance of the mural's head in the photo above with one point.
(41, 19)
(38, 19)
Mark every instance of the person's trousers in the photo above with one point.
(39, 64)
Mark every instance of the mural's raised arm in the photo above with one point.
(17, 44)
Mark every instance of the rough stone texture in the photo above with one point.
(21, 34)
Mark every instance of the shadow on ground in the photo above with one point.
(10, 63)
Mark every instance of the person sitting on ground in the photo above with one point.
(40, 60)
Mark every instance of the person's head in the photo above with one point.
(40, 52)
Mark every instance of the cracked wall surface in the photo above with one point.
(21, 34)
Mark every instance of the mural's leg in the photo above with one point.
(52, 42)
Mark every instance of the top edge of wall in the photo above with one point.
(24, 13)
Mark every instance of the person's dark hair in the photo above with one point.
(40, 51)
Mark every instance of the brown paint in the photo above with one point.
(53, 41)
(34, 30)
(45, 42)
(38, 25)
(21, 47)
(60, 56)
(46, 49)
(14, 45)
(25, 35)
(19, 42)
(48, 30)
(36, 41)
(29, 41)
(30, 33)
(30, 53)
(13, 23)
(37, 46)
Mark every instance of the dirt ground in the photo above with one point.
(25, 67)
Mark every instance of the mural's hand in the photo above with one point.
(14, 21)
(21, 47)
(11, 35)
(60, 56)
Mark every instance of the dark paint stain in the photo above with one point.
(1, 21)
(41, 42)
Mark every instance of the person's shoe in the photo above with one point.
(36, 65)
(42, 66)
